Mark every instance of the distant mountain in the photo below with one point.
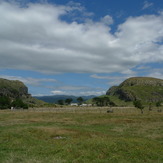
(139, 88)
(55, 98)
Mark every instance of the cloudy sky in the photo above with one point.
(80, 47)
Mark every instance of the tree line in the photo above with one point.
(68, 101)
(7, 103)
(103, 101)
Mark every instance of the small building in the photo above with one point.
(73, 104)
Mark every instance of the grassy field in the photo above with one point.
(81, 135)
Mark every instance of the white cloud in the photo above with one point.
(58, 92)
(113, 80)
(156, 73)
(107, 20)
(99, 77)
(28, 80)
(35, 38)
(77, 90)
(70, 88)
(78, 93)
(89, 93)
(147, 5)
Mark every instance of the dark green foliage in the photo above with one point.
(80, 100)
(103, 101)
(68, 101)
(138, 104)
(4, 102)
(158, 104)
(111, 103)
(18, 104)
(61, 102)
(97, 101)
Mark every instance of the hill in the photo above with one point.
(14, 89)
(139, 88)
(55, 98)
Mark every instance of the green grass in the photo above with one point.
(81, 136)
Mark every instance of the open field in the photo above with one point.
(81, 135)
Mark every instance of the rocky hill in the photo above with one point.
(139, 88)
(16, 89)
(13, 88)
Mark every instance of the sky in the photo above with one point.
(80, 47)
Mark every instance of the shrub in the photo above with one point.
(4, 102)
(138, 105)
(18, 103)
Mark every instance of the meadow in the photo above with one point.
(81, 135)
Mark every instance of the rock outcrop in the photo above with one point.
(13, 89)
(139, 88)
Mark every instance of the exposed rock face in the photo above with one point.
(16, 89)
(13, 88)
(139, 88)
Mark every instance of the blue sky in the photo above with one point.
(80, 47)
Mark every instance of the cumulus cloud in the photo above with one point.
(36, 38)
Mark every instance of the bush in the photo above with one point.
(5, 102)
(138, 105)
(18, 103)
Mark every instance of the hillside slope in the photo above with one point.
(139, 88)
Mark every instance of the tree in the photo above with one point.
(158, 104)
(61, 102)
(5, 102)
(138, 105)
(80, 100)
(111, 103)
(18, 103)
(103, 101)
(68, 101)
(97, 101)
